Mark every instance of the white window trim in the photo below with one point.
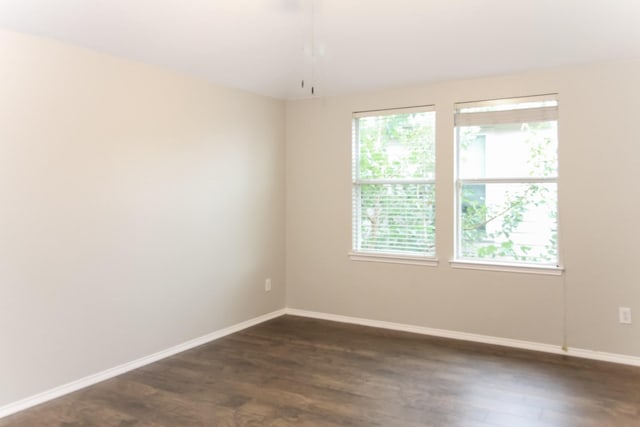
(388, 257)
(393, 258)
(393, 111)
(479, 118)
(546, 270)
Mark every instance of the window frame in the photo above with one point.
(506, 115)
(357, 254)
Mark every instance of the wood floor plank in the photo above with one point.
(294, 371)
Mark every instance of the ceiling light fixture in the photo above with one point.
(309, 47)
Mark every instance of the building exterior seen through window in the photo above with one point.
(506, 182)
(507, 179)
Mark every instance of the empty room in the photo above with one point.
(319, 213)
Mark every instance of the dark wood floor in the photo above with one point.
(293, 371)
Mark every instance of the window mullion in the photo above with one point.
(527, 180)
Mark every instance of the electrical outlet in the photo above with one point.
(267, 285)
(624, 314)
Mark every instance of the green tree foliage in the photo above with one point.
(397, 216)
(400, 215)
(502, 242)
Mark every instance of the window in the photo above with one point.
(394, 182)
(507, 180)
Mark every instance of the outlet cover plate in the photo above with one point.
(624, 314)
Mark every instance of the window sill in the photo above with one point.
(509, 268)
(393, 259)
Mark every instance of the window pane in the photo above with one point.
(509, 222)
(396, 146)
(397, 218)
(514, 150)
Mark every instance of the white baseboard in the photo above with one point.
(62, 390)
(622, 359)
(485, 339)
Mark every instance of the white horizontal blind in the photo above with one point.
(508, 103)
(396, 218)
(529, 115)
(393, 192)
(517, 110)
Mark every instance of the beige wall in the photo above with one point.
(139, 209)
(599, 208)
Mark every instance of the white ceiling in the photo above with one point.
(263, 46)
